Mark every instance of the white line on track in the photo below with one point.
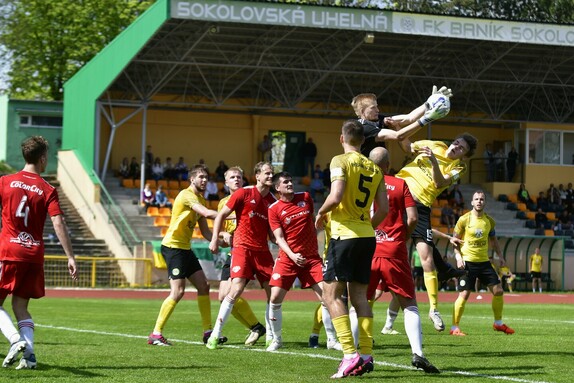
(317, 356)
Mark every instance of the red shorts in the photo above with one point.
(22, 279)
(391, 274)
(249, 263)
(285, 271)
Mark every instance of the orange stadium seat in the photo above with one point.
(172, 193)
(184, 184)
(435, 212)
(164, 231)
(530, 215)
(442, 202)
(152, 211)
(162, 183)
(521, 206)
(128, 183)
(152, 184)
(551, 216)
(549, 233)
(160, 221)
(435, 221)
(513, 198)
(164, 212)
(173, 184)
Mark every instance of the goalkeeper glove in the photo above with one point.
(443, 90)
(438, 111)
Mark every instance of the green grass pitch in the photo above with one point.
(104, 340)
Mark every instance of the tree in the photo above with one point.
(43, 43)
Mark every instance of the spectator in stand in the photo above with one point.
(562, 193)
(489, 163)
(327, 176)
(511, 160)
(169, 170)
(134, 171)
(220, 171)
(542, 202)
(553, 196)
(148, 162)
(309, 154)
(455, 197)
(569, 194)
(447, 216)
(316, 186)
(540, 218)
(443, 195)
(124, 170)
(148, 197)
(157, 169)
(565, 220)
(264, 149)
(211, 192)
(161, 199)
(499, 161)
(181, 170)
(523, 195)
(319, 171)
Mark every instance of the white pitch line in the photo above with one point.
(315, 356)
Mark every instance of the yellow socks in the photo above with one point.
(165, 311)
(497, 305)
(365, 335)
(342, 326)
(431, 283)
(243, 313)
(204, 304)
(458, 310)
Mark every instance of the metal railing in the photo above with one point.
(96, 271)
(117, 218)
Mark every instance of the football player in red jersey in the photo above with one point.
(26, 199)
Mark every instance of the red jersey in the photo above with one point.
(252, 219)
(296, 220)
(391, 234)
(26, 199)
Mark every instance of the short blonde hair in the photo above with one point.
(361, 101)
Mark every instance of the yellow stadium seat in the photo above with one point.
(513, 198)
(435, 203)
(197, 233)
(152, 184)
(521, 206)
(551, 216)
(212, 204)
(530, 215)
(164, 231)
(172, 193)
(137, 183)
(549, 233)
(435, 221)
(162, 183)
(152, 211)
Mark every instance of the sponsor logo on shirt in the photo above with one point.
(25, 240)
(22, 185)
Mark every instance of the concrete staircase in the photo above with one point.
(127, 200)
(506, 222)
(84, 244)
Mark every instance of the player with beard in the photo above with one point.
(188, 209)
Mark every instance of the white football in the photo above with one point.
(437, 98)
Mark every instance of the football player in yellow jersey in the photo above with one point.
(241, 309)
(536, 270)
(188, 209)
(476, 229)
(435, 167)
(356, 183)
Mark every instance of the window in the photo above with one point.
(544, 147)
(27, 120)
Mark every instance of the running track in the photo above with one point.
(303, 295)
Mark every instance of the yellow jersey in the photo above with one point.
(229, 225)
(183, 220)
(475, 231)
(418, 173)
(351, 218)
(536, 263)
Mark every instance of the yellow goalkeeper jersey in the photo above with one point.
(351, 218)
(418, 173)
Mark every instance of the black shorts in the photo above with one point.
(423, 230)
(535, 274)
(181, 263)
(418, 271)
(483, 271)
(349, 260)
(225, 269)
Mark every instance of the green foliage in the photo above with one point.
(5, 168)
(104, 340)
(47, 41)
